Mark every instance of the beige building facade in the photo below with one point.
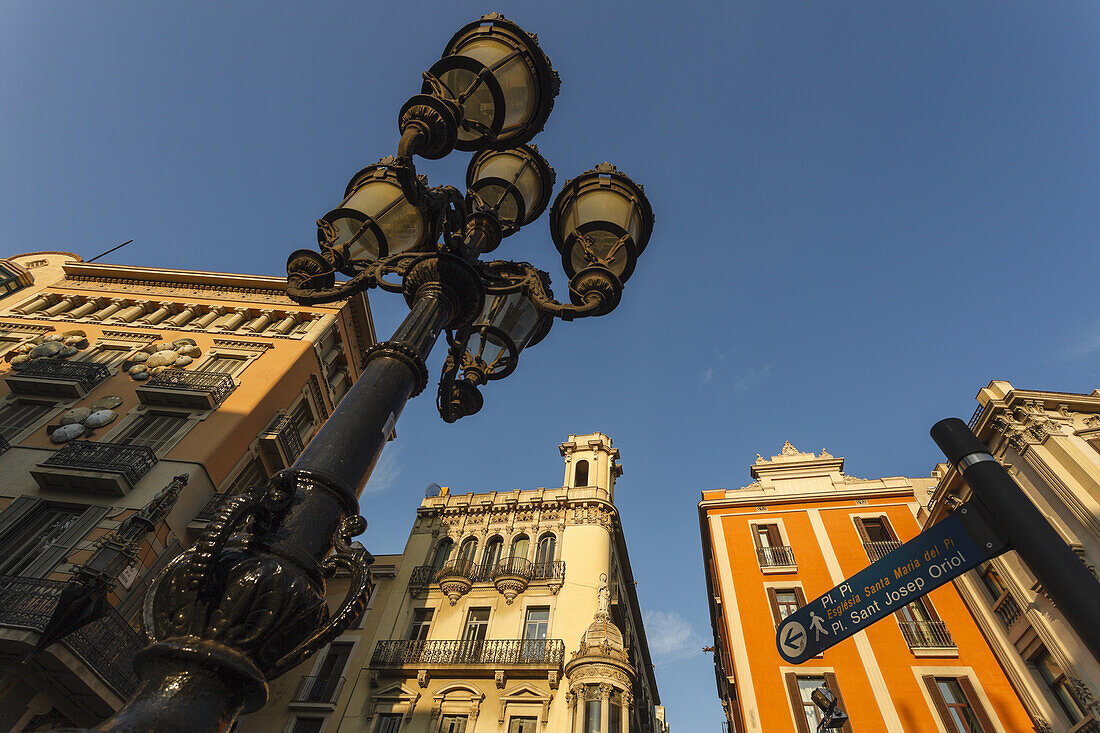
(114, 380)
(509, 611)
(1050, 444)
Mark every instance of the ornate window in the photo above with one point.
(1055, 680)
(519, 545)
(491, 557)
(442, 552)
(544, 557)
(467, 550)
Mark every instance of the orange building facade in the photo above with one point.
(801, 527)
(113, 380)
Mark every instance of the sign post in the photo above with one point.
(942, 552)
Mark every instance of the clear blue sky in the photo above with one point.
(865, 212)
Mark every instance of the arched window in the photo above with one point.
(580, 478)
(544, 556)
(520, 545)
(467, 551)
(442, 551)
(491, 557)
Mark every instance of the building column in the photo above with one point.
(232, 321)
(184, 316)
(104, 313)
(130, 314)
(287, 323)
(209, 317)
(62, 305)
(624, 716)
(85, 308)
(605, 707)
(158, 315)
(33, 306)
(259, 323)
(578, 718)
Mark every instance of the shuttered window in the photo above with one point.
(152, 430)
(224, 364)
(302, 419)
(37, 535)
(784, 602)
(109, 355)
(807, 715)
(20, 415)
(957, 704)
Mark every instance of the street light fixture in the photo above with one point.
(832, 717)
(247, 603)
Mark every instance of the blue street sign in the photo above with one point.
(924, 563)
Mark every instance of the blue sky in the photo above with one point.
(865, 212)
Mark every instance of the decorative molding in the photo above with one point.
(261, 347)
(129, 336)
(27, 327)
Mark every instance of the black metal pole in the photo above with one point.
(1066, 579)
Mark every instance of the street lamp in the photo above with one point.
(246, 603)
(832, 717)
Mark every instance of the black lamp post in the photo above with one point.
(246, 603)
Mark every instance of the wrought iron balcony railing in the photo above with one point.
(107, 645)
(188, 389)
(57, 377)
(878, 550)
(776, 557)
(130, 461)
(1007, 610)
(926, 635)
(283, 430)
(319, 689)
(535, 652)
(425, 575)
(519, 566)
(4, 444)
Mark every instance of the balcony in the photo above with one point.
(780, 556)
(512, 575)
(280, 442)
(107, 645)
(316, 689)
(926, 635)
(878, 550)
(495, 653)
(57, 378)
(1007, 610)
(101, 468)
(551, 573)
(193, 390)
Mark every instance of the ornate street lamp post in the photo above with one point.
(247, 603)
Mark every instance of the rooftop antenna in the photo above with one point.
(112, 249)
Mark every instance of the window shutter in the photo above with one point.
(16, 512)
(798, 594)
(56, 554)
(830, 682)
(755, 535)
(773, 535)
(937, 700)
(796, 701)
(975, 703)
(888, 528)
(773, 601)
(861, 529)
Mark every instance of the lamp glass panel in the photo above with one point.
(515, 315)
(606, 249)
(512, 72)
(364, 248)
(478, 105)
(385, 202)
(516, 170)
(606, 204)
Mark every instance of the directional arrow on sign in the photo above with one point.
(795, 638)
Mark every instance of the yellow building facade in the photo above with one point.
(508, 611)
(1050, 444)
(800, 528)
(115, 380)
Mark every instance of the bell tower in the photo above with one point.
(591, 462)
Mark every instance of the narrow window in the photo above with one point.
(473, 637)
(957, 704)
(592, 705)
(581, 474)
(106, 354)
(784, 602)
(302, 419)
(519, 547)
(251, 476)
(491, 558)
(421, 623)
(389, 723)
(20, 415)
(41, 529)
(537, 624)
(1055, 680)
(152, 430)
(878, 537)
(308, 725)
(770, 550)
(442, 552)
(614, 712)
(224, 364)
(521, 725)
(800, 688)
(544, 557)
(326, 684)
(466, 553)
(453, 724)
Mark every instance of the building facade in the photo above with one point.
(507, 611)
(115, 380)
(800, 528)
(1050, 444)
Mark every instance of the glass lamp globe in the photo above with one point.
(515, 184)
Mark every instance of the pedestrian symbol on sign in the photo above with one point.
(815, 624)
